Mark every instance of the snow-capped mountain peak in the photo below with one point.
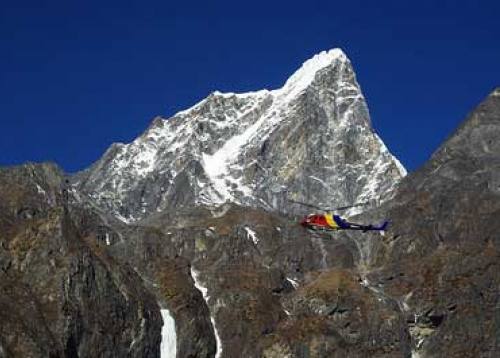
(312, 137)
(305, 75)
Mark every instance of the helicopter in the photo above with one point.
(330, 222)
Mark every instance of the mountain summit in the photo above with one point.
(310, 140)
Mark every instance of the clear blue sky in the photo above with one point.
(76, 76)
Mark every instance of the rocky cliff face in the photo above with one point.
(441, 259)
(310, 140)
(61, 294)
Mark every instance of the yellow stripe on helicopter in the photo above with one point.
(330, 221)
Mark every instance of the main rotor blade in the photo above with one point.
(328, 209)
(350, 206)
(305, 204)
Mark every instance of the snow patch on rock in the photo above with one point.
(204, 291)
(252, 235)
(294, 283)
(168, 347)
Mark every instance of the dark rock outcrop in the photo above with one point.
(440, 258)
(61, 294)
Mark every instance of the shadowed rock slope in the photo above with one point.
(441, 259)
(61, 294)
